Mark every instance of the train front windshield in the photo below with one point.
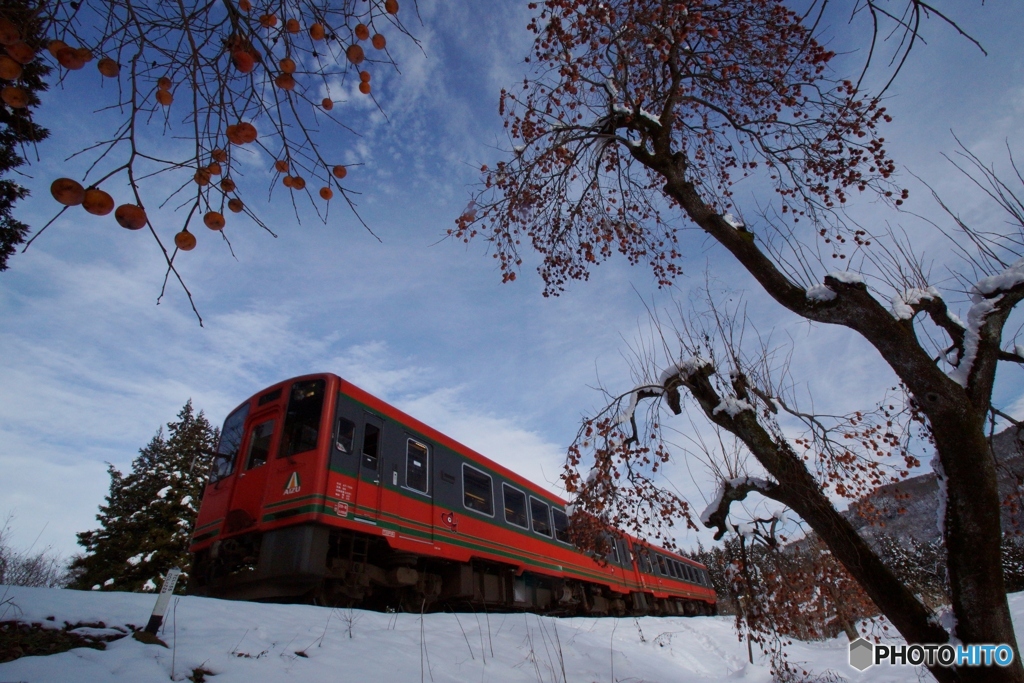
(230, 440)
(302, 421)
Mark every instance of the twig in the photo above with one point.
(459, 622)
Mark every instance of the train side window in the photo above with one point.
(515, 506)
(477, 493)
(416, 465)
(690, 573)
(561, 525)
(346, 435)
(230, 441)
(641, 558)
(672, 569)
(613, 553)
(259, 444)
(661, 565)
(302, 421)
(371, 446)
(540, 514)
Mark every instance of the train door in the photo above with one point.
(251, 483)
(418, 465)
(368, 488)
(640, 565)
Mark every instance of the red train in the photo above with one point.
(320, 491)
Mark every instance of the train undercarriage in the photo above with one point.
(342, 568)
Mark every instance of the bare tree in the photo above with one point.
(44, 569)
(634, 125)
(197, 86)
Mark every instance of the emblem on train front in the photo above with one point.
(293, 485)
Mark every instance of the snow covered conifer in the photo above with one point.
(149, 513)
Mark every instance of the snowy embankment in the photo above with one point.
(238, 642)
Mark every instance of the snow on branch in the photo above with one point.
(903, 304)
(1000, 282)
(682, 370)
(732, 406)
(822, 292)
(645, 391)
(986, 295)
(976, 316)
(730, 491)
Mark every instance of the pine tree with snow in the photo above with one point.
(147, 521)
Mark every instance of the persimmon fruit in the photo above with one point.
(285, 81)
(247, 132)
(9, 32)
(243, 61)
(185, 241)
(97, 202)
(67, 191)
(364, 88)
(362, 33)
(292, 26)
(14, 97)
(214, 220)
(108, 67)
(268, 20)
(281, 165)
(164, 83)
(288, 65)
(227, 185)
(391, 6)
(10, 70)
(355, 54)
(339, 171)
(68, 58)
(21, 52)
(316, 31)
(379, 41)
(326, 193)
(164, 97)
(327, 103)
(130, 216)
(219, 154)
(236, 205)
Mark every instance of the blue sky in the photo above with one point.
(90, 366)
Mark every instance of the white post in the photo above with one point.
(157, 618)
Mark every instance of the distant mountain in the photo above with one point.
(908, 509)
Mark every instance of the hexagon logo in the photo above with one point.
(862, 654)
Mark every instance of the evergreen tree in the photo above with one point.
(17, 128)
(149, 515)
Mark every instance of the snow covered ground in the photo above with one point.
(255, 643)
